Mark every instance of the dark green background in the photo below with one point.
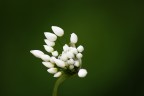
(112, 33)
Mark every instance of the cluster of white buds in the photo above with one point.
(69, 61)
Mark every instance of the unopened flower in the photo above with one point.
(52, 70)
(58, 74)
(82, 73)
(70, 54)
(77, 63)
(64, 57)
(80, 48)
(68, 61)
(55, 53)
(52, 59)
(79, 55)
(37, 53)
(71, 61)
(49, 43)
(50, 36)
(60, 63)
(48, 48)
(45, 57)
(73, 38)
(58, 31)
(65, 47)
(71, 67)
(48, 64)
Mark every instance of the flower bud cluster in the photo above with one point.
(69, 61)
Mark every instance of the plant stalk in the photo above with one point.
(58, 82)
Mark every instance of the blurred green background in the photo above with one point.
(111, 31)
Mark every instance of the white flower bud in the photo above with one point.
(48, 64)
(55, 53)
(65, 47)
(79, 55)
(37, 53)
(74, 50)
(77, 63)
(63, 57)
(50, 36)
(71, 67)
(52, 70)
(49, 43)
(58, 74)
(80, 48)
(48, 48)
(58, 31)
(71, 61)
(82, 73)
(52, 59)
(60, 63)
(73, 38)
(45, 57)
(70, 55)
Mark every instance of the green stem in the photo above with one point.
(58, 82)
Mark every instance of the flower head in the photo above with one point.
(70, 59)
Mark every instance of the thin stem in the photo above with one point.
(58, 82)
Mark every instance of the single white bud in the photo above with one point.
(71, 61)
(73, 38)
(80, 48)
(71, 67)
(48, 48)
(82, 73)
(79, 55)
(55, 53)
(63, 57)
(58, 74)
(60, 63)
(65, 47)
(74, 50)
(58, 31)
(52, 59)
(48, 64)
(45, 57)
(70, 55)
(52, 70)
(37, 53)
(50, 36)
(77, 63)
(49, 43)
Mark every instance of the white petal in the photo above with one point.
(48, 64)
(80, 48)
(48, 48)
(49, 43)
(82, 73)
(37, 53)
(60, 63)
(55, 53)
(58, 31)
(77, 63)
(52, 70)
(58, 74)
(50, 36)
(73, 38)
(79, 55)
(45, 57)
